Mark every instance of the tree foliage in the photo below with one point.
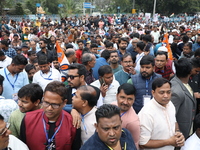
(18, 9)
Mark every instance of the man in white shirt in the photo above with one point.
(155, 34)
(9, 142)
(46, 74)
(158, 127)
(140, 50)
(4, 60)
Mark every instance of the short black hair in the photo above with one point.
(44, 40)
(105, 54)
(162, 53)
(42, 60)
(183, 67)
(79, 41)
(1, 79)
(19, 60)
(29, 67)
(93, 45)
(197, 53)
(32, 91)
(195, 62)
(128, 89)
(158, 82)
(147, 38)
(58, 88)
(107, 111)
(123, 39)
(5, 42)
(90, 94)
(189, 44)
(141, 45)
(108, 44)
(2, 53)
(104, 70)
(1, 117)
(69, 46)
(31, 53)
(147, 59)
(80, 67)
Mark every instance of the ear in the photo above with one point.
(82, 77)
(152, 92)
(37, 102)
(85, 103)
(65, 102)
(96, 126)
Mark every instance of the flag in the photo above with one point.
(172, 15)
(63, 62)
(166, 41)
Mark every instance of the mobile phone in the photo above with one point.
(101, 80)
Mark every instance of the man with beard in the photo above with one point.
(143, 81)
(123, 75)
(30, 70)
(114, 62)
(123, 42)
(196, 45)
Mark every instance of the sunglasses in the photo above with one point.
(71, 76)
(5, 129)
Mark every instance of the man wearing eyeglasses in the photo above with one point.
(46, 74)
(7, 141)
(50, 128)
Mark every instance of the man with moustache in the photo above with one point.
(123, 42)
(114, 61)
(143, 81)
(123, 75)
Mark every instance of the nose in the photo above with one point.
(125, 101)
(111, 132)
(19, 103)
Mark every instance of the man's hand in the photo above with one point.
(132, 70)
(104, 89)
(76, 118)
(180, 139)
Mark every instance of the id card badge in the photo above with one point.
(15, 97)
(146, 99)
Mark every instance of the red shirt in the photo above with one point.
(79, 55)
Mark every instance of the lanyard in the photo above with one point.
(83, 121)
(49, 140)
(113, 149)
(147, 85)
(13, 85)
(48, 76)
(122, 114)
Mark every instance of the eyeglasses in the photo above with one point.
(5, 129)
(127, 62)
(71, 76)
(54, 106)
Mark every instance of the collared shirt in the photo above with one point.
(7, 106)
(192, 143)
(157, 123)
(49, 55)
(18, 81)
(138, 58)
(6, 62)
(89, 77)
(121, 55)
(10, 52)
(45, 78)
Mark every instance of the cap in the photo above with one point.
(163, 49)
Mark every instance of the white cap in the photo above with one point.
(163, 49)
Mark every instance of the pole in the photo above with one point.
(154, 8)
(133, 4)
(83, 8)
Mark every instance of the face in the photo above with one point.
(76, 81)
(32, 57)
(146, 70)
(127, 63)
(77, 101)
(53, 99)
(18, 68)
(123, 45)
(198, 39)
(36, 66)
(31, 73)
(160, 61)
(114, 58)
(108, 78)
(25, 104)
(93, 62)
(4, 139)
(134, 43)
(32, 44)
(80, 45)
(189, 34)
(94, 50)
(109, 130)
(162, 94)
(125, 102)
(186, 50)
(42, 44)
(44, 68)
(56, 64)
(195, 71)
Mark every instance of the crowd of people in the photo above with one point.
(121, 84)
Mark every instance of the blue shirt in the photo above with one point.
(10, 52)
(18, 81)
(195, 46)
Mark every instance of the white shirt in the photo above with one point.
(193, 143)
(45, 78)
(138, 59)
(16, 144)
(155, 36)
(110, 94)
(157, 123)
(6, 62)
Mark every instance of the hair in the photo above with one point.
(1, 80)
(42, 60)
(93, 45)
(141, 45)
(123, 39)
(189, 45)
(80, 41)
(107, 111)
(44, 40)
(1, 117)
(69, 52)
(91, 94)
(126, 55)
(29, 67)
(106, 69)
(108, 44)
(105, 54)
(195, 62)
(185, 38)
(98, 36)
(69, 46)
(197, 53)
(2, 53)
(19, 60)
(162, 53)
(183, 67)
(86, 57)
(197, 121)
(176, 37)
(128, 89)
(147, 38)
(182, 27)
(146, 60)
(114, 51)
(5, 42)
(58, 88)
(80, 67)
(158, 82)
(32, 91)
(31, 53)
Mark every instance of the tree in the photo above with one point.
(18, 9)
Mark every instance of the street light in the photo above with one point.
(154, 8)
